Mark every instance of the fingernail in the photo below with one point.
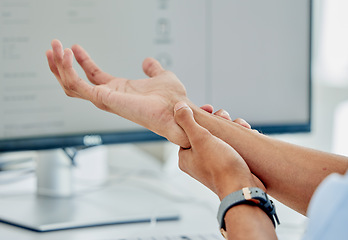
(225, 113)
(180, 105)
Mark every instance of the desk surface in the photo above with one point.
(196, 205)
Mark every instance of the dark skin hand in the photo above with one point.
(219, 167)
(209, 159)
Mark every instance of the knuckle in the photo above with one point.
(95, 71)
(101, 106)
(71, 85)
(68, 93)
(180, 115)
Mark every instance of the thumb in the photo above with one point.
(152, 67)
(184, 118)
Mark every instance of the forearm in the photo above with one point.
(290, 173)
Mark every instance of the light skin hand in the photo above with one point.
(130, 99)
(210, 160)
(148, 102)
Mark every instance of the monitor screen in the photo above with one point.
(251, 58)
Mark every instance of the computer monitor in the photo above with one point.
(252, 58)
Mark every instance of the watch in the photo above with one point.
(253, 196)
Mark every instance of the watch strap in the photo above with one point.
(254, 196)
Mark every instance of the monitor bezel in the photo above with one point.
(44, 143)
(78, 140)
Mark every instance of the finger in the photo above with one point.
(242, 122)
(72, 82)
(152, 67)
(57, 48)
(94, 74)
(223, 113)
(53, 67)
(58, 54)
(208, 108)
(51, 64)
(184, 118)
(184, 158)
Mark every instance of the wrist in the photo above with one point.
(254, 197)
(229, 186)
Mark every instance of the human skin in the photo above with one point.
(219, 167)
(209, 159)
(148, 102)
(290, 173)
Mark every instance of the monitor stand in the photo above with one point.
(55, 205)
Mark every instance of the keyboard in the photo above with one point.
(179, 237)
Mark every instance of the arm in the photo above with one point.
(219, 167)
(290, 173)
(148, 102)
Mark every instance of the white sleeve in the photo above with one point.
(328, 210)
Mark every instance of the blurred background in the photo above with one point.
(330, 79)
(329, 130)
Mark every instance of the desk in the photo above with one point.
(196, 205)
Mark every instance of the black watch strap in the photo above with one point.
(254, 196)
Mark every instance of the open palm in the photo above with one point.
(148, 102)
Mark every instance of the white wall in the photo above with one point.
(325, 100)
(330, 75)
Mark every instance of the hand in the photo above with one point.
(210, 160)
(148, 102)
(223, 114)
